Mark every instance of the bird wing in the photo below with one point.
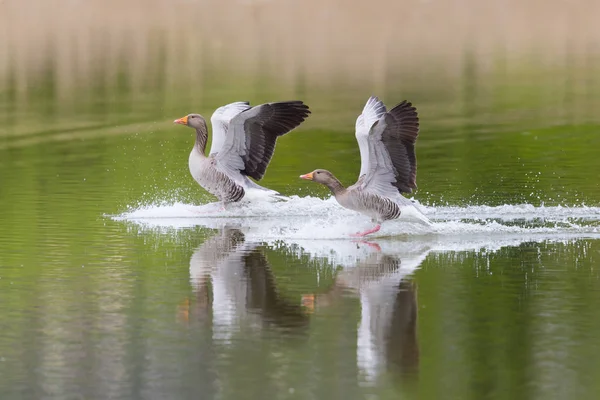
(220, 123)
(392, 160)
(250, 141)
(373, 110)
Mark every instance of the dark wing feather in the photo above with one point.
(263, 129)
(399, 138)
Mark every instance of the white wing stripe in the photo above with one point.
(374, 109)
(220, 123)
(380, 172)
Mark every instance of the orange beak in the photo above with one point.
(184, 310)
(308, 302)
(308, 176)
(181, 121)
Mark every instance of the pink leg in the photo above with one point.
(365, 233)
(370, 244)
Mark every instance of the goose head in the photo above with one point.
(192, 120)
(320, 176)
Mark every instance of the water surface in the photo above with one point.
(112, 285)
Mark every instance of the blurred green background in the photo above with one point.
(508, 95)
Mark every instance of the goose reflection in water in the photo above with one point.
(235, 287)
(387, 331)
(236, 293)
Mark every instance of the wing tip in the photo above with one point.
(405, 106)
(293, 110)
(295, 105)
(373, 110)
(408, 116)
(374, 103)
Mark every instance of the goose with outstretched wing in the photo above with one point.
(386, 141)
(243, 143)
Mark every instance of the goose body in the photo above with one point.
(379, 208)
(386, 142)
(243, 143)
(205, 171)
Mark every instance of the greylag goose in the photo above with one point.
(386, 142)
(242, 290)
(243, 142)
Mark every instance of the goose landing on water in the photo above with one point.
(386, 141)
(243, 142)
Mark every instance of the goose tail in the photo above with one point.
(254, 190)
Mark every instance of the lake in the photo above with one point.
(113, 285)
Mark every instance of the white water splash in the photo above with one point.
(313, 218)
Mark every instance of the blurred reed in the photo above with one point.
(136, 56)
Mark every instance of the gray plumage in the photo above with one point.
(388, 162)
(243, 144)
(379, 208)
(357, 198)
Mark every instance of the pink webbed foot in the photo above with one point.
(365, 233)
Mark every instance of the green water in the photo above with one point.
(93, 307)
